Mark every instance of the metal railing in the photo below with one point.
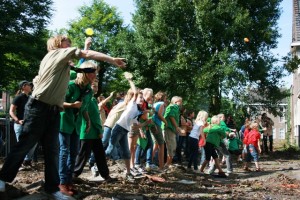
(7, 134)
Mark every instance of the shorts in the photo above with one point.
(251, 153)
(210, 151)
(235, 152)
(132, 133)
(170, 139)
(157, 135)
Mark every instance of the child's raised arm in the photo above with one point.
(128, 76)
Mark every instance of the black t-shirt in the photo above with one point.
(20, 101)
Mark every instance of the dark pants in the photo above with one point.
(41, 123)
(182, 143)
(86, 146)
(265, 141)
(194, 149)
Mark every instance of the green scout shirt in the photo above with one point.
(214, 135)
(172, 110)
(70, 116)
(224, 126)
(96, 128)
(234, 144)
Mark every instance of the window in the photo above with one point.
(282, 118)
(282, 111)
(282, 134)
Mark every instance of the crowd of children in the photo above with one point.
(143, 129)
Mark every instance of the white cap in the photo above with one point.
(232, 134)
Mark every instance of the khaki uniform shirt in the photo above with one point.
(51, 83)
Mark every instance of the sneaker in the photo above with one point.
(154, 167)
(141, 170)
(135, 172)
(2, 186)
(211, 170)
(60, 196)
(129, 177)
(95, 171)
(109, 179)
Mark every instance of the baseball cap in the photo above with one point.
(24, 82)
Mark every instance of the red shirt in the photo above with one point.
(252, 138)
(245, 134)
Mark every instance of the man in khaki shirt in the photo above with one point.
(41, 117)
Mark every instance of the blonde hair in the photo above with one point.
(221, 115)
(147, 91)
(202, 115)
(54, 43)
(215, 120)
(81, 77)
(254, 125)
(160, 96)
(130, 94)
(175, 99)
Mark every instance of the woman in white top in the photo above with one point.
(194, 138)
(124, 124)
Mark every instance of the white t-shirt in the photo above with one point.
(196, 131)
(129, 116)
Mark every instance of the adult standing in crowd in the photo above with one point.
(267, 127)
(16, 112)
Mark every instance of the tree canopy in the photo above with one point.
(23, 37)
(196, 49)
(108, 37)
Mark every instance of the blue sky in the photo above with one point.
(67, 10)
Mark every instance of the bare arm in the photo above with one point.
(94, 55)
(202, 134)
(76, 104)
(87, 43)
(105, 100)
(86, 116)
(160, 114)
(128, 76)
(173, 121)
(258, 144)
(12, 111)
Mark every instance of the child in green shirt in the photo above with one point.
(214, 135)
(234, 145)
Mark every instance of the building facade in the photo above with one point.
(295, 88)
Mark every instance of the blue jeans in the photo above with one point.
(202, 152)
(118, 136)
(251, 153)
(41, 124)
(18, 132)
(115, 155)
(148, 150)
(68, 151)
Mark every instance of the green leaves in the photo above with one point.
(22, 39)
